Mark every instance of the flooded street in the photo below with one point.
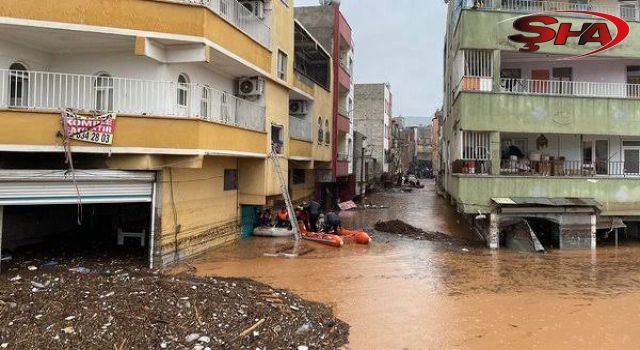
(404, 294)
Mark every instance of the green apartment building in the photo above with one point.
(542, 136)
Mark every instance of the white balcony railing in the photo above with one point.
(346, 66)
(47, 91)
(300, 128)
(628, 12)
(570, 88)
(238, 15)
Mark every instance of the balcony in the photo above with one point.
(239, 16)
(300, 128)
(346, 66)
(617, 195)
(342, 165)
(628, 12)
(488, 26)
(343, 157)
(48, 91)
(551, 165)
(344, 121)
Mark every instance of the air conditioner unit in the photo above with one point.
(250, 87)
(298, 107)
(254, 6)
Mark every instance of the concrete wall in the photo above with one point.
(371, 120)
(618, 196)
(319, 20)
(484, 29)
(545, 114)
(305, 191)
(197, 213)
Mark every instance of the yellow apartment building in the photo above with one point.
(172, 108)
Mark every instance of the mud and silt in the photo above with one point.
(401, 228)
(106, 304)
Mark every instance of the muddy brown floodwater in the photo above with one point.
(405, 294)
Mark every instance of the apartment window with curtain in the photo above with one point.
(282, 65)
(183, 90)
(18, 85)
(564, 76)
(104, 93)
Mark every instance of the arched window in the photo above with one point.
(327, 132)
(320, 131)
(18, 85)
(104, 93)
(183, 90)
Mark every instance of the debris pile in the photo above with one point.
(106, 305)
(402, 228)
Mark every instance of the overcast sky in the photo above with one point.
(399, 41)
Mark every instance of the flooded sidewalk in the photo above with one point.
(400, 293)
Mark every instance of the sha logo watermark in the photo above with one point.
(590, 32)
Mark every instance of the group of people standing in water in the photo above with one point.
(310, 213)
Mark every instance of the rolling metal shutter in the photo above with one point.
(39, 187)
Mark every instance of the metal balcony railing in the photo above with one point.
(48, 91)
(549, 168)
(238, 15)
(562, 167)
(300, 128)
(627, 12)
(570, 88)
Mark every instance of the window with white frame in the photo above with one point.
(282, 65)
(103, 93)
(183, 90)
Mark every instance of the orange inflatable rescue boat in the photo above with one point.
(324, 238)
(359, 237)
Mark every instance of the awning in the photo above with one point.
(551, 202)
(544, 205)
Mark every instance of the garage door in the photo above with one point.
(34, 187)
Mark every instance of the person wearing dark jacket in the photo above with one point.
(314, 209)
(332, 222)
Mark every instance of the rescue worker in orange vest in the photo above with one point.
(282, 218)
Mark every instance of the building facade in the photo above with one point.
(310, 110)
(192, 97)
(538, 136)
(329, 26)
(373, 110)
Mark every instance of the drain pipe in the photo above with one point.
(152, 231)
